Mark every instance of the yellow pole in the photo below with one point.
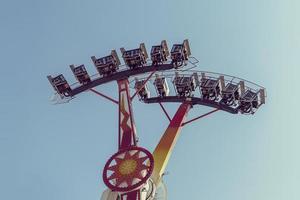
(167, 142)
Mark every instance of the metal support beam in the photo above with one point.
(104, 96)
(163, 108)
(133, 195)
(127, 130)
(142, 85)
(167, 142)
(201, 116)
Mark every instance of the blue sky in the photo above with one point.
(58, 152)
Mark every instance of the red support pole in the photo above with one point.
(167, 142)
(126, 166)
(127, 131)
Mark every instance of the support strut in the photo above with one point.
(104, 96)
(133, 195)
(127, 171)
(127, 130)
(136, 92)
(166, 113)
(167, 142)
(201, 116)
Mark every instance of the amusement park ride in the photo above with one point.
(133, 173)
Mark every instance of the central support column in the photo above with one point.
(126, 173)
(127, 130)
(167, 142)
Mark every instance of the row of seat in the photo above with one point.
(211, 89)
(133, 59)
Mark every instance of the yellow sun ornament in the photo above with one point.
(127, 167)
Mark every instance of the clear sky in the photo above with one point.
(58, 152)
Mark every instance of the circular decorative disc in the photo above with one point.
(128, 169)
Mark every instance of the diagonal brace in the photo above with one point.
(166, 113)
(201, 116)
(142, 85)
(167, 142)
(104, 96)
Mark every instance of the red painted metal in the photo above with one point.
(103, 95)
(128, 169)
(201, 116)
(127, 131)
(142, 85)
(167, 142)
(166, 113)
(133, 195)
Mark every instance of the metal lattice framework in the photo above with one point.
(133, 173)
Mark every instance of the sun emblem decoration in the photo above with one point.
(128, 169)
